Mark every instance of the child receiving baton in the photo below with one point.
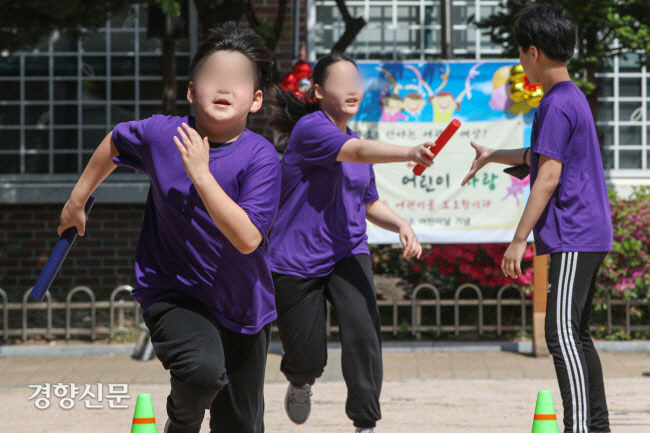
(202, 276)
(568, 211)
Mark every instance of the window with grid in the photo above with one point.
(61, 99)
(410, 30)
(624, 117)
(401, 29)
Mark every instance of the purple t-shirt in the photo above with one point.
(181, 252)
(322, 215)
(577, 218)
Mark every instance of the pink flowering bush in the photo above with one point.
(625, 273)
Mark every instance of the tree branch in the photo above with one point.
(212, 13)
(352, 28)
(251, 16)
(279, 19)
(345, 13)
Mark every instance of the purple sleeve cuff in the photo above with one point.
(130, 141)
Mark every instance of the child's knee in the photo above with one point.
(189, 391)
(205, 377)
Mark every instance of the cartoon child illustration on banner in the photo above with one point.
(444, 103)
(390, 100)
(416, 100)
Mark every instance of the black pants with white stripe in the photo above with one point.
(577, 365)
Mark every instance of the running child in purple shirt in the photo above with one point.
(568, 211)
(319, 245)
(203, 279)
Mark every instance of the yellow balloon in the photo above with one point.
(521, 107)
(535, 97)
(501, 76)
(517, 92)
(517, 73)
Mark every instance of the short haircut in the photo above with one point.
(228, 37)
(548, 28)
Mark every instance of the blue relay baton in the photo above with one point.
(58, 255)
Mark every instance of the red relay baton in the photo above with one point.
(440, 143)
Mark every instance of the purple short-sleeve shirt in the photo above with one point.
(578, 216)
(322, 214)
(181, 253)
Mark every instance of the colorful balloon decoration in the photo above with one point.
(517, 73)
(533, 94)
(521, 95)
(513, 92)
(298, 80)
(523, 90)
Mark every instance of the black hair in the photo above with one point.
(227, 37)
(386, 98)
(548, 28)
(287, 107)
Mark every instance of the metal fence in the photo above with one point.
(415, 304)
(115, 307)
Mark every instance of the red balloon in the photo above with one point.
(289, 81)
(302, 69)
(530, 86)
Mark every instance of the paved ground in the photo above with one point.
(423, 392)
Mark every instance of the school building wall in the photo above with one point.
(31, 202)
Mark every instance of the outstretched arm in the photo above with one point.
(376, 152)
(485, 155)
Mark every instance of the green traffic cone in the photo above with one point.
(143, 418)
(545, 420)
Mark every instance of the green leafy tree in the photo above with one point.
(24, 24)
(212, 13)
(606, 28)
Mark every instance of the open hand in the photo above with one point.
(194, 150)
(481, 158)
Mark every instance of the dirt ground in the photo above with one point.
(422, 392)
